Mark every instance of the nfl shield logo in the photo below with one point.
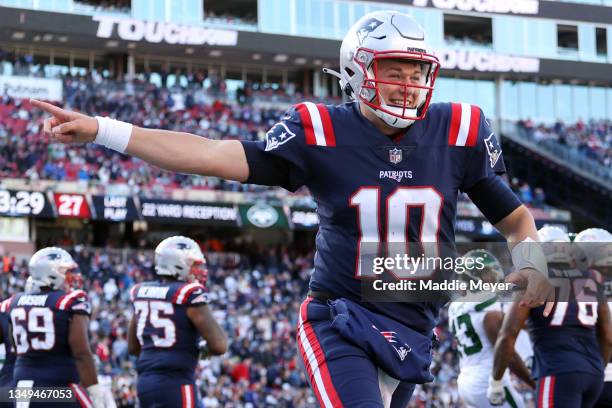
(395, 155)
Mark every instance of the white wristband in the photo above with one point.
(529, 254)
(113, 134)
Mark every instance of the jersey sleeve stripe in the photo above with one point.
(307, 124)
(81, 396)
(474, 126)
(133, 292)
(183, 293)
(328, 127)
(317, 123)
(481, 306)
(66, 300)
(464, 127)
(455, 121)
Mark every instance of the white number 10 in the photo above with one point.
(367, 201)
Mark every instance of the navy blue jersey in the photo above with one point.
(168, 339)
(566, 340)
(373, 188)
(6, 374)
(40, 327)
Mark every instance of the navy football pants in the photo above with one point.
(340, 373)
(569, 390)
(605, 398)
(162, 391)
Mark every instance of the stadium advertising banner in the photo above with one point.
(163, 32)
(483, 61)
(189, 211)
(262, 215)
(27, 87)
(483, 6)
(19, 203)
(303, 218)
(114, 208)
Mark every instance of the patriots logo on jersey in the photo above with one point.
(279, 134)
(365, 30)
(493, 149)
(395, 155)
(391, 337)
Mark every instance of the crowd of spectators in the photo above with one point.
(591, 140)
(255, 295)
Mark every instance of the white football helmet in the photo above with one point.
(380, 35)
(596, 243)
(180, 257)
(556, 245)
(483, 266)
(50, 266)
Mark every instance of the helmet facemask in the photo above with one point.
(405, 113)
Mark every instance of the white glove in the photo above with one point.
(495, 392)
(96, 393)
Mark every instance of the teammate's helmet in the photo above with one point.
(50, 266)
(596, 244)
(556, 246)
(180, 257)
(481, 264)
(380, 35)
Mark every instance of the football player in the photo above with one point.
(569, 344)
(171, 315)
(6, 373)
(385, 167)
(49, 328)
(596, 245)
(475, 320)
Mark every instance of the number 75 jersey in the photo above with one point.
(372, 188)
(168, 339)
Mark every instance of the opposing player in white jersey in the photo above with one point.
(475, 320)
(596, 244)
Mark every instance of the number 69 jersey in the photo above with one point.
(40, 324)
(370, 187)
(168, 339)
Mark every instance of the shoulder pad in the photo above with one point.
(189, 293)
(464, 123)
(76, 300)
(317, 124)
(5, 306)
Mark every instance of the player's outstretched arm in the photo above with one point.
(174, 151)
(604, 331)
(133, 343)
(520, 231)
(209, 329)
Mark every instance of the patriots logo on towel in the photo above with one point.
(493, 149)
(391, 337)
(278, 135)
(365, 30)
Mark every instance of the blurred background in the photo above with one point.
(228, 69)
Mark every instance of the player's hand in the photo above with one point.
(495, 392)
(67, 127)
(96, 394)
(539, 290)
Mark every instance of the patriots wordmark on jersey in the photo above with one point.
(371, 188)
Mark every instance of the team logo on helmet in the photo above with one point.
(395, 155)
(365, 30)
(493, 149)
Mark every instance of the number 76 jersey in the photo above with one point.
(372, 188)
